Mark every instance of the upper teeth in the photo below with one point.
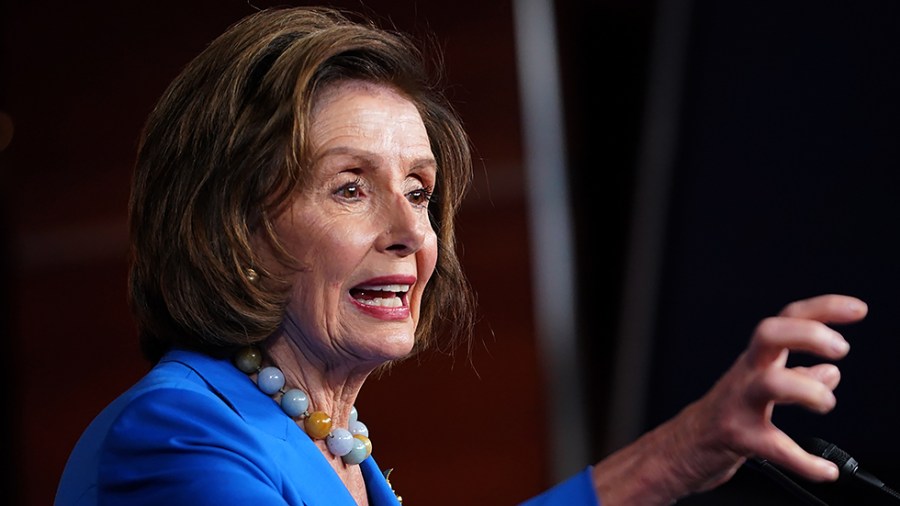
(386, 288)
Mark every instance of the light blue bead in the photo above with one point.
(357, 454)
(353, 414)
(270, 380)
(357, 427)
(294, 402)
(340, 442)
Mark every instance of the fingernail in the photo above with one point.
(831, 470)
(830, 401)
(840, 345)
(856, 306)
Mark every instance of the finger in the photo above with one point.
(787, 386)
(828, 374)
(778, 333)
(831, 308)
(783, 451)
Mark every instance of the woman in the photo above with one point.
(292, 220)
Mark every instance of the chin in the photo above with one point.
(393, 348)
(401, 349)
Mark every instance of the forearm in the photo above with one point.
(673, 460)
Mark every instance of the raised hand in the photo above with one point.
(705, 444)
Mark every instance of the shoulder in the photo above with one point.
(181, 432)
(185, 395)
(172, 396)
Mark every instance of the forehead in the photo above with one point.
(361, 92)
(367, 115)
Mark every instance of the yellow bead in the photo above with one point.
(366, 441)
(318, 425)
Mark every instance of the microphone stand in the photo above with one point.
(767, 468)
(848, 466)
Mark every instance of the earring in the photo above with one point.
(252, 275)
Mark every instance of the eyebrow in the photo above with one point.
(369, 157)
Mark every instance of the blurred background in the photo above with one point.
(652, 178)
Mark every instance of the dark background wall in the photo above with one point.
(782, 186)
(786, 186)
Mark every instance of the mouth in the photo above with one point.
(393, 295)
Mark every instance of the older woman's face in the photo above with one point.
(360, 227)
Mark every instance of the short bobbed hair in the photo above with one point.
(226, 148)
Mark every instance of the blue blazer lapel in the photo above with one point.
(301, 456)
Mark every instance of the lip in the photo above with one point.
(397, 279)
(384, 312)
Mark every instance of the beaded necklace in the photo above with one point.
(352, 444)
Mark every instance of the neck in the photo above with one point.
(331, 388)
(351, 444)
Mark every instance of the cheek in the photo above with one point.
(327, 256)
(325, 244)
(427, 258)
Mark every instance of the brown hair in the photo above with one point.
(226, 147)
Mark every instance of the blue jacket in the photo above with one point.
(194, 431)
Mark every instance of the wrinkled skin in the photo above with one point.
(705, 444)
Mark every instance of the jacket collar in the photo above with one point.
(238, 390)
(258, 409)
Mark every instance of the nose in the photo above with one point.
(405, 226)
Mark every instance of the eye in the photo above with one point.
(420, 196)
(351, 191)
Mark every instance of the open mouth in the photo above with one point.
(380, 295)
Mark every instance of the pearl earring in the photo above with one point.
(252, 275)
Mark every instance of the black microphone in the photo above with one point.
(848, 466)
